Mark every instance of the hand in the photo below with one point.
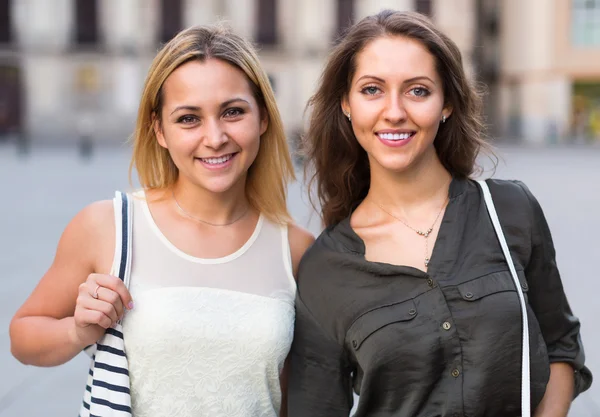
(100, 304)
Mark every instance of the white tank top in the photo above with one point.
(208, 337)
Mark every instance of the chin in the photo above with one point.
(220, 185)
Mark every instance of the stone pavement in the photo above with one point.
(42, 192)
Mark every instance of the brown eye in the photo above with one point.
(233, 112)
(187, 119)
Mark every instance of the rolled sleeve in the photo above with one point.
(319, 381)
(560, 328)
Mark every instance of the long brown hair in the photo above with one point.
(270, 173)
(339, 165)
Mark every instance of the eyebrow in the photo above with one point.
(223, 105)
(410, 80)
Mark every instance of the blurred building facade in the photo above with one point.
(75, 68)
(549, 84)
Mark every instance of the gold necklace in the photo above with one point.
(425, 234)
(204, 221)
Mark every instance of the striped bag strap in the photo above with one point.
(525, 377)
(107, 391)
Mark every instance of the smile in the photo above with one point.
(218, 160)
(395, 136)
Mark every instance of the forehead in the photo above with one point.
(396, 57)
(211, 80)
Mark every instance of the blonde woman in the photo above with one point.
(208, 316)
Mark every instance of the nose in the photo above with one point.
(394, 110)
(213, 134)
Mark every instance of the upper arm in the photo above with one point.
(300, 240)
(86, 246)
(559, 327)
(320, 383)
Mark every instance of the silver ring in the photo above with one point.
(95, 294)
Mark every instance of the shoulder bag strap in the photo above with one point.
(108, 387)
(525, 382)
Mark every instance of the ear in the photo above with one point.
(447, 110)
(345, 105)
(264, 120)
(158, 132)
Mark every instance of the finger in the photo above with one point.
(111, 297)
(85, 317)
(115, 284)
(105, 308)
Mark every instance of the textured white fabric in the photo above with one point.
(208, 337)
(525, 376)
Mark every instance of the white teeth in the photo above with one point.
(216, 161)
(395, 136)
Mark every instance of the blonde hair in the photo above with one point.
(272, 170)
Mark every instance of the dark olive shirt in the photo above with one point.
(442, 343)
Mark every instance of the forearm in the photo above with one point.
(559, 392)
(44, 341)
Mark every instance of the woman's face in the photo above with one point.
(396, 102)
(211, 123)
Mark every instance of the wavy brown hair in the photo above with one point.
(339, 165)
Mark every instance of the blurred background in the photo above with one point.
(67, 66)
(71, 72)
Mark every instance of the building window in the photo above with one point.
(345, 15)
(171, 19)
(86, 22)
(267, 22)
(585, 22)
(423, 6)
(5, 24)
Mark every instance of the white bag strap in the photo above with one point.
(525, 379)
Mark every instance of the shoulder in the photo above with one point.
(94, 218)
(90, 234)
(513, 195)
(300, 240)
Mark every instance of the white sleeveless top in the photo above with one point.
(208, 337)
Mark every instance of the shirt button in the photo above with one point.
(455, 373)
(354, 344)
(412, 312)
(469, 295)
(446, 325)
(430, 282)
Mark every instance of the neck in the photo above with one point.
(213, 208)
(423, 185)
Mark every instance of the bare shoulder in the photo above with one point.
(300, 240)
(90, 234)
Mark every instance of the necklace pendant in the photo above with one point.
(426, 261)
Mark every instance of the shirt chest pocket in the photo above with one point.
(372, 321)
(395, 336)
(490, 306)
(490, 284)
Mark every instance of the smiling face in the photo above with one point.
(211, 124)
(396, 102)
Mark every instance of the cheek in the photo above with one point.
(180, 140)
(246, 135)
